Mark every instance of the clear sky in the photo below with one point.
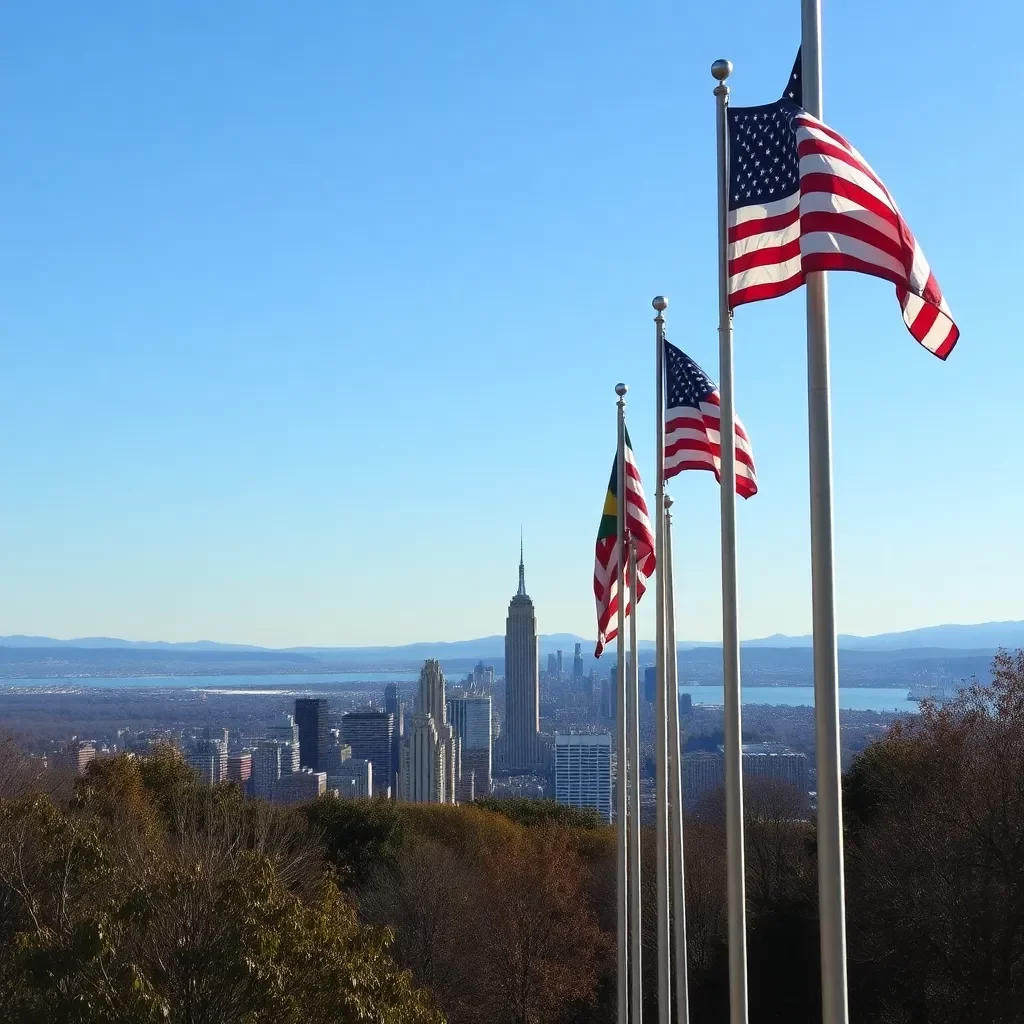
(308, 307)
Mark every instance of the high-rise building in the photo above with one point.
(353, 780)
(205, 762)
(558, 664)
(209, 757)
(552, 665)
(284, 729)
(393, 706)
(239, 766)
(298, 787)
(74, 759)
(522, 680)
(370, 735)
(651, 684)
(583, 771)
(483, 675)
(311, 718)
(470, 717)
(431, 763)
(776, 761)
(266, 768)
(422, 775)
(577, 665)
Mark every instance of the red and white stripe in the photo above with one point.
(843, 218)
(693, 440)
(606, 561)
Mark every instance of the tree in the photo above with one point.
(936, 861)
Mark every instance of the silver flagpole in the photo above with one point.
(831, 886)
(635, 911)
(660, 303)
(621, 803)
(678, 884)
(721, 69)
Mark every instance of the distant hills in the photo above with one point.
(983, 636)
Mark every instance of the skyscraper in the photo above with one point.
(266, 768)
(552, 665)
(522, 679)
(393, 706)
(311, 717)
(558, 664)
(470, 717)
(370, 735)
(583, 772)
(431, 763)
(284, 730)
(577, 665)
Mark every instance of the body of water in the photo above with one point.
(851, 698)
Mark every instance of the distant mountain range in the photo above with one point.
(983, 636)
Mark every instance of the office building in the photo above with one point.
(266, 768)
(431, 764)
(352, 780)
(470, 717)
(394, 707)
(311, 718)
(775, 761)
(239, 766)
(284, 729)
(483, 676)
(209, 758)
(583, 771)
(422, 769)
(370, 735)
(205, 763)
(558, 664)
(704, 771)
(298, 787)
(551, 666)
(577, 665)
(74, 759)
(651, 684)
(522, 680)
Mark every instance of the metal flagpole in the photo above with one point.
(720, 70)
(678, 883)
(831, 886)
(622, 881)
(635, 911)
(660, 304)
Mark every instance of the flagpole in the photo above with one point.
(831, 885)
(622, 880)
(660, 304)
(635, 911)
(720, 70)
(675, 751)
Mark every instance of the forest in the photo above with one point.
(134, 894)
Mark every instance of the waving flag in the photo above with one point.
(693, 424)
(801, 199)
(606, 562)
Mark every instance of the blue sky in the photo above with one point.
(307, 307)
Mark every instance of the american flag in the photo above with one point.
(801, 199)
(606, 560)
(693, 424)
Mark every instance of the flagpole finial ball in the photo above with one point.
(668, 502)
(660, 303)
(721, 70)
(620, 390)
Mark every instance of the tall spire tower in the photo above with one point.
(522, 569)
(522, 679)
